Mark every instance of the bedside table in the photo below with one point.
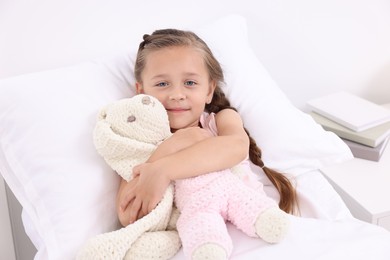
(365, 187)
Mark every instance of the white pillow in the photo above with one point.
(289, 139)
(47, 156)
(68, 192)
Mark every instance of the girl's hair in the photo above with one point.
(172, 38)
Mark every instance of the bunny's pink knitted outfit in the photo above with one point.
(208, 200)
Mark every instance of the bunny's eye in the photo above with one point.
(146, 100)
(131, 119)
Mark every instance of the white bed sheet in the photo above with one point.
(316, 239)
(325, 230)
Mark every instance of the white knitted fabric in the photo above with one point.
(129, 130)
(126, 134)
(209, 251)
(272, 225)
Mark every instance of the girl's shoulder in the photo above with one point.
(227, 112)
(227, 117)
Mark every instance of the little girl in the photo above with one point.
(178, 68)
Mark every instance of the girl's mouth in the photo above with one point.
(177, 110)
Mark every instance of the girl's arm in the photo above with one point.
(208, 155)
(226, 150)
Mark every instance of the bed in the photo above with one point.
(68, 193)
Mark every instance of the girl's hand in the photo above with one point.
(180, 140)
(146, 193)
(187, 137)
(123, 205)
(140, 195)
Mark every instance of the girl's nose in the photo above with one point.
(177, 93)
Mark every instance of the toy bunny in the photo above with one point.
(126, 134)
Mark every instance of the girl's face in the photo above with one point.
(178, 78)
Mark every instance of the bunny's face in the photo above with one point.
(141, 117)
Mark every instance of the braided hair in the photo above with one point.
(172, 37)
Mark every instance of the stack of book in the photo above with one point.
(363, 125)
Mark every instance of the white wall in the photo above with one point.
(310, 47)
(315, 47)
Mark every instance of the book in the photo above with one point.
(371, 137)
(366, 152)
(350, 111)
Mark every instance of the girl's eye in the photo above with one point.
(190, 83)
(161, 84)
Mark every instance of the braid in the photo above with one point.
(288, 197)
